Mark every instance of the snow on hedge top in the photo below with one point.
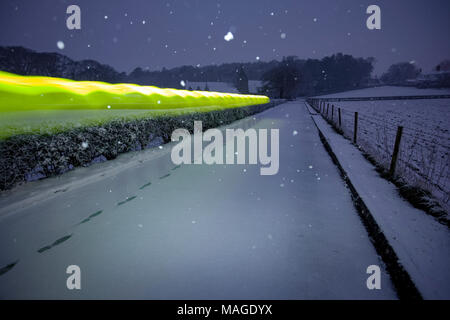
(20, 93)
(387, 91)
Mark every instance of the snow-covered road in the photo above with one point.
(140, 227)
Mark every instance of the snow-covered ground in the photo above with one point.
(253, 86)
(140, 227)
(424, 158)
(425, 146)
(421, 243)
(387, 91)
(213, 86)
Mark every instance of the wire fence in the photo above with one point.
(411, 152)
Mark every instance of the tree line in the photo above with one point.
(288, 78)
(296, 77)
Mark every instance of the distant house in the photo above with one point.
(437, 79)
(254, 86)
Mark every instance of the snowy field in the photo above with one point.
(212, 86)
(425, 145)
(386, 91)
(253, 86)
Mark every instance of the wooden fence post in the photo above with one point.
(328, 105)
(398, 138)
(332, 112)
(355, 129)
(340, 121)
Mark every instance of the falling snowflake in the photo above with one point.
(84, 145)
(229, 36)
(183, 84)
(283, 35)
(109, 107)
(295, 132)
(60, 45)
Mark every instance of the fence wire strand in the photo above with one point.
(423, 155)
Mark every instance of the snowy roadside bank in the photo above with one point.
(33, 157)
(420, 242)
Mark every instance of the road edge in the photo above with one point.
(403, 284)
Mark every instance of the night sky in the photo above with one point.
(155, 34)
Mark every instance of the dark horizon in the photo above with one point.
(169, 34)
